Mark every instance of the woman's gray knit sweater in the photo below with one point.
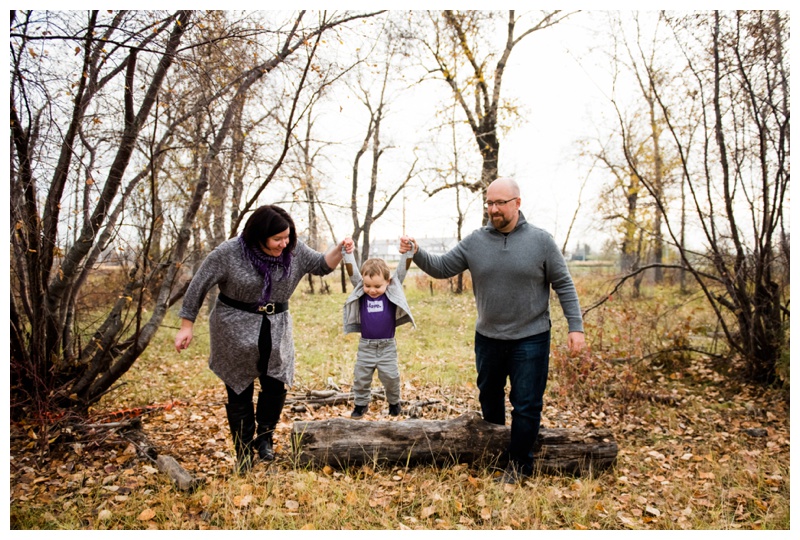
(233, 332)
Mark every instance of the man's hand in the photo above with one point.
(576, 342)
(406, 243)
(347, 244)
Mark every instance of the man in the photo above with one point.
(513, 265)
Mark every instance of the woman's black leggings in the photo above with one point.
(268, 384)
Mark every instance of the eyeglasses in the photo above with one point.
(499, 204)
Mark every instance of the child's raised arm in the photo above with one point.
(405, 263)
(352, 267)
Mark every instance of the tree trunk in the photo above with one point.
(468, 438)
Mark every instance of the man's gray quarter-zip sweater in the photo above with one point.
(511, 279)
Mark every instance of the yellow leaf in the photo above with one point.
(579, 526)
(486, 513)
(147, 514)
(242, 501)
(625, 520)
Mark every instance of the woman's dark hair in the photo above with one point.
(268, 221)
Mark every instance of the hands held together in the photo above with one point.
(347, 244)
(407, 243)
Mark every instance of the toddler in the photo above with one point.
(375, 308)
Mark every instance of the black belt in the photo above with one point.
(270, 308)
(265, 331)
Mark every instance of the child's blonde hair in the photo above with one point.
(375, 267)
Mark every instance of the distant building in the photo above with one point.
(388, 249)
(385, 249)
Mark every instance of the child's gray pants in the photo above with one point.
(380, 354)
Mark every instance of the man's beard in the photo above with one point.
(499, 221)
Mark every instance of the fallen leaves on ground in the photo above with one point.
(679, 464)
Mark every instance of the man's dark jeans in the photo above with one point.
(525, 362)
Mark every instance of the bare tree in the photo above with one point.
(306, 177)
(45, 273)
(59, 358)
(474, 70)
(453, 174)
(738, 179)
(364, 217)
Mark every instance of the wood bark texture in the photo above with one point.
(340, 442)
(166, 464)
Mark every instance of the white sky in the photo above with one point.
(555, 94)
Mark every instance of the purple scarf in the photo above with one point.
(265, 265)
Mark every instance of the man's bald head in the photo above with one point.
(506, 186)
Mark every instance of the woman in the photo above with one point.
(250, 326)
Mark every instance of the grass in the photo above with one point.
(684, 461)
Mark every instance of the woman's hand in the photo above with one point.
(184, 336)
(334, 256)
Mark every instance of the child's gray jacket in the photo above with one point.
(352, 316)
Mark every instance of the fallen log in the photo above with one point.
(321, 398)
(340, 442)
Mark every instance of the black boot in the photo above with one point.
(242, 423)
(268, 412)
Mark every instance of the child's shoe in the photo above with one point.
(394, 410)
(359, 411)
